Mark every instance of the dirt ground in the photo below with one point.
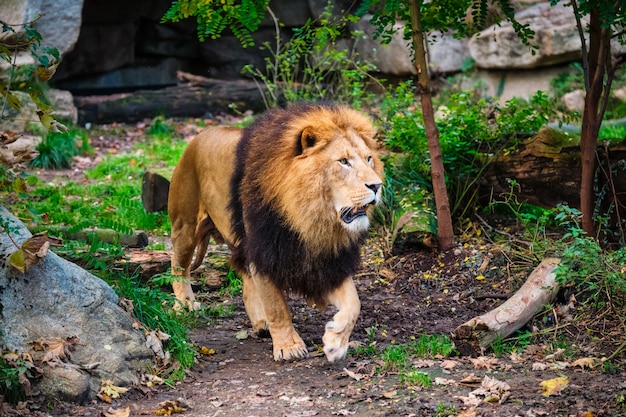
(403, 296)
(414, 291)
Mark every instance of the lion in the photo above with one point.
(292, 196)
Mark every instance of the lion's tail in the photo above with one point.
(205, 229)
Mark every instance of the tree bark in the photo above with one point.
(477, 334)
(598, 54)
(445, 232)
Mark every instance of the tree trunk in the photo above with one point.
(598, 54)
(445, 232)
(477, 334)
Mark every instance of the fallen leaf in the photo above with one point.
(554, 386)
(32, 251)
(207, 351)
(107, 388)
(470, 380)
(449, 364)
(390, 394)
(167, 408)
(153, 342)
(117, 412)
(242, 334)
(423, 363)
(558, 354)
(55, 349)
(585, 363)
(538, 366)
(444, 381)
(483, 362)
(353, 375)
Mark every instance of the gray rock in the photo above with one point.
(556, 36)
(445, 53)
(57, 299)
(60, 25)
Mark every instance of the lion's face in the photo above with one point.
(326, 189)
(356, 187)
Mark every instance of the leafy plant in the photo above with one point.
(57, 149)
(313, 65)
(27, 78)
(214, 16)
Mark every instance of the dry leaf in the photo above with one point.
(353, 375)
(167, 408)
(444, 381)
(55, 349)
(153, 342)
(390, 394)
(117, 412)
(449, 364)
(108, 389)
(483, 362)
(538, 366)
(424, 363)
(585, 363)
(470, 380)
(558, 354)
(32, 251)
(554, 386)
(242, 334)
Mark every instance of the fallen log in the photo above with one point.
(474, 336)
(195, 96)
(137, 240)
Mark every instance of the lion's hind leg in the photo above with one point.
(266, 306)
(337, 335)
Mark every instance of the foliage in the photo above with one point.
(57, 149)
(471, 131)
(314, 66)
(27, 78)
(441, 15)
(214, 16)
(11, 389)
(585, 265)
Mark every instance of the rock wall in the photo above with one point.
(124, 46)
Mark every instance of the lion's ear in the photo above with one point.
(308, 139)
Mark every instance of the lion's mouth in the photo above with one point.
(349, 214)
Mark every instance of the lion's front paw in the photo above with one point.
(187, 304)
(335, 341)
(291, 349)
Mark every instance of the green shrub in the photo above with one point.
(57, 149)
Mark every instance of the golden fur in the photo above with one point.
(291, 195)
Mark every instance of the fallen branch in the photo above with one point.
(475, 335)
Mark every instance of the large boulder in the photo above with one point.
(55, 300)
(59, 24)
(556, 36)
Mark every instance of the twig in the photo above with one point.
(501, 232)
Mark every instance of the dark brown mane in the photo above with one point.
(265, 239)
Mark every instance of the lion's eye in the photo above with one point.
(369, 160)
(344, 161)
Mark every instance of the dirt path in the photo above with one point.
(420, 293)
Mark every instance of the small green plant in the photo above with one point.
(57, 149)
(232, 284)
(433, 345)
(11, 389)
(587, 266)
(444, 410)
(313, 66)
(516, 343)
(414, 378)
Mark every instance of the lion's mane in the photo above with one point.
(311, 254)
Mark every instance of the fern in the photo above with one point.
(213, 17)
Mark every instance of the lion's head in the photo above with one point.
(322, 174)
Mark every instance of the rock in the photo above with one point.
(59, 26)
(445, 53)
(393, 58)
(574, 100)
(556, 35)
(57, 299)
(619, 93)
(63, 105)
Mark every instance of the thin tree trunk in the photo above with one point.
(599, 53)
(445, 232)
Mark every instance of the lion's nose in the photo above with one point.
(374, 187)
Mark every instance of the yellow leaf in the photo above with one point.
(207, 351)
(480, 277)
(107, 388)
(167, 408)
(554, 386)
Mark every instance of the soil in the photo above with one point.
(413, 291)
